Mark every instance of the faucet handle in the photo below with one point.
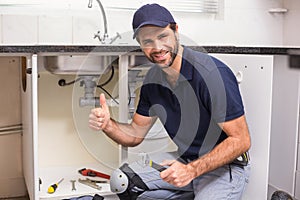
(97, 35)
(115, 38)
(105, 38)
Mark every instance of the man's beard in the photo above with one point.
(173, 56)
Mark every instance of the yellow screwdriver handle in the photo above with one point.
(53, 187)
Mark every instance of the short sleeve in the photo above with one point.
(144, 104)
(222, 95)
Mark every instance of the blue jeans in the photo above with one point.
(226, 182)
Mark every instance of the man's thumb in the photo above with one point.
(102, 101)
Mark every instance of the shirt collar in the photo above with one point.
(186, 69)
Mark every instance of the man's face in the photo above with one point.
(160, 45)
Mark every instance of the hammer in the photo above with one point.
(146, 161)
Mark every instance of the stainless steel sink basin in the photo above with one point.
(78, 64)
(86, 64)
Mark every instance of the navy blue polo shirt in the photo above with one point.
(205, 94)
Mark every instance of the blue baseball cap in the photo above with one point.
(151, 14)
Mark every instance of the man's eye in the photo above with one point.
(162, 36)
(146, 42)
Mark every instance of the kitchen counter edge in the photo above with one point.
(40, 49)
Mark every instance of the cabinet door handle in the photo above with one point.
(29, 71)
(239, 76)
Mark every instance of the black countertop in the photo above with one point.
(40, 49)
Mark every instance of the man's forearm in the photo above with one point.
(222, 154)
(122, 133)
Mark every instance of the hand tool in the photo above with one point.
(53, 187)
(242, 160)
(40, 183)
(93, 173)
(90, 183)
(73, 185)
(146, 161)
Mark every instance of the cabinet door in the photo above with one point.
(285, 124)
(29, 121)
(254, 73)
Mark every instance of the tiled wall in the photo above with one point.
(244, 22)
(291, 28)
(19, 29)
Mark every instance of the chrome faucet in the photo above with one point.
(105, 38)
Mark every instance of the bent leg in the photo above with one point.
(166, 194)
(159, 189)
(220, 184)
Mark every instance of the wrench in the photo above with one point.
(90, 183)
(73, 185)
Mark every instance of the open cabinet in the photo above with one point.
(57, 139)
(52, 147)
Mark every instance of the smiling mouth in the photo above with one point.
(161, 56)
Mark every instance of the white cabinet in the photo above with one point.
(52, 148)
(29, 121)
(271, 93)
(285, 124)
(297, 183)
(255, 74)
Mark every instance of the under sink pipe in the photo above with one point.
(89, 87)
(103, 15)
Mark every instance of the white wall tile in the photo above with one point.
(120, 22)
(85, 26)
(87, 23)
(55, 29)
(291, 4)
(240, 27)
(254, 4)
(1, 40)
(246, 22)
(19, 29)
(291, 29)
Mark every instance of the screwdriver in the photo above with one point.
(53, 187)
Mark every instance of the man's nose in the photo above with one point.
(157, 45)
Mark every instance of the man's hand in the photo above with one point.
(178, 174)
(99, 117)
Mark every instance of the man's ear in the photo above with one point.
(176, 28)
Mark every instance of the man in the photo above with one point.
(197, 99)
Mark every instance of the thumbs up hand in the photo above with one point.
(99, 117)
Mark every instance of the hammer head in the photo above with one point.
(145, 159)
